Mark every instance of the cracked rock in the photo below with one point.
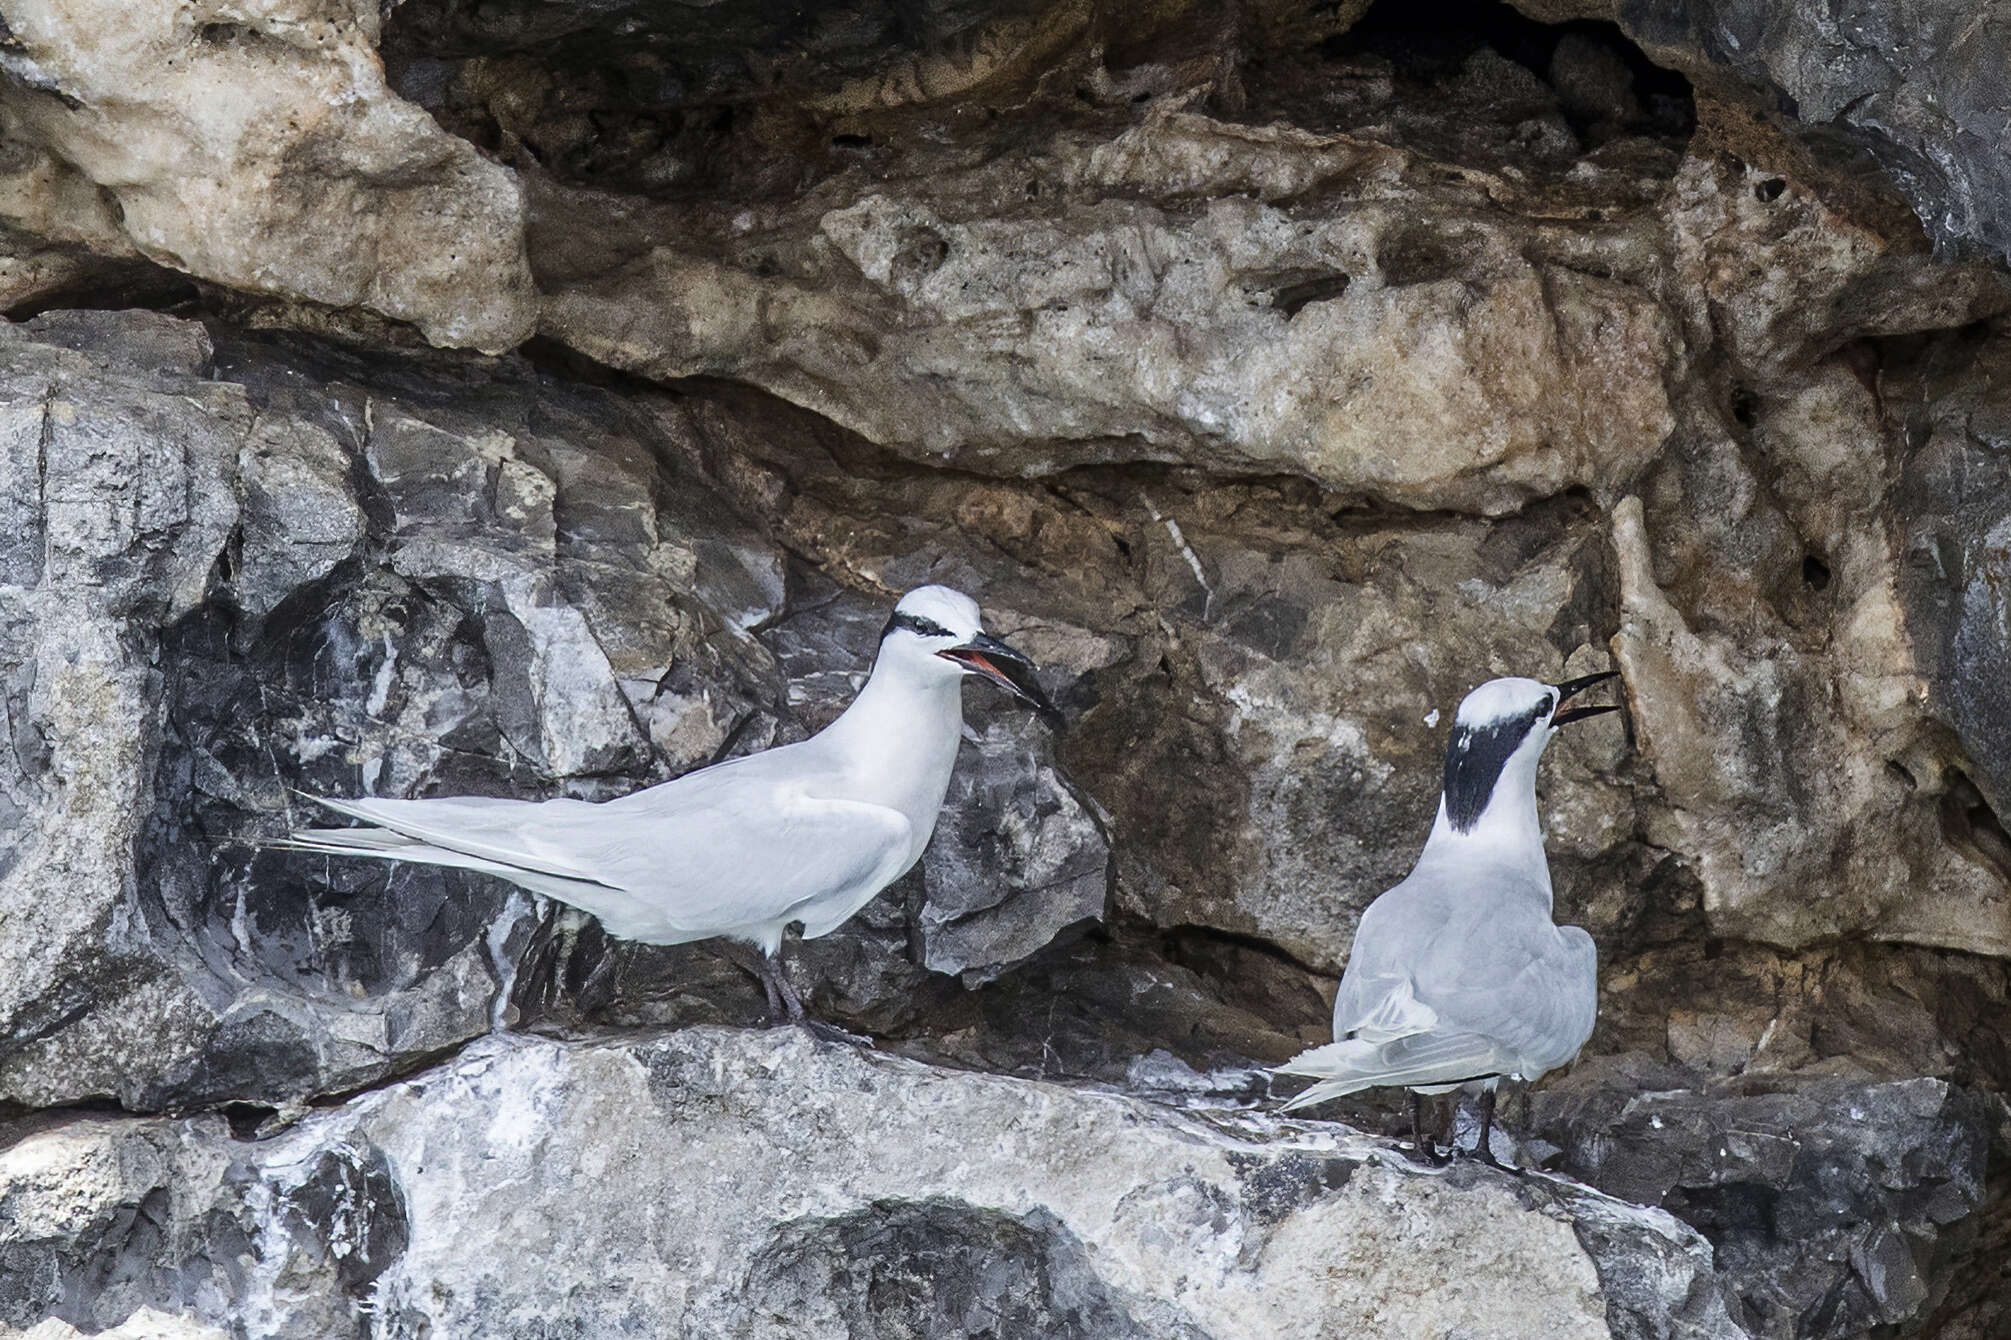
(887, 1193)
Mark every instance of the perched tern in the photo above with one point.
(1458, 977)
(807, 832)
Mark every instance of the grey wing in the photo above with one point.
(724, 857)
(1377, 996)
(1434, 960)
(1532, 989)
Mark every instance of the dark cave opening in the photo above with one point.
(1475, 84)
(1605, 84)
(619, 99)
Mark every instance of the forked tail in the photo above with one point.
(1422, 1060)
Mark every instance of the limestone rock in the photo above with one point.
(145, 1324)
(1018, 858)
(58, 236)
(1729, 731)
(755, 1184)
(1954, 532)
(119, 495)
(256, 145)
(1765, 637)
(192, 632)
(1164, 322)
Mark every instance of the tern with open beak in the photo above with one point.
(1458, 977)
(807, 832)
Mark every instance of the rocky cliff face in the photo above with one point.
(535, 399)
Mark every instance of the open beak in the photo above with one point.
(1571, 686)
(987, 656)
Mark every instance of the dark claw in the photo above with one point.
(1487, 1156)
(824, 1032)
(1429, 1155)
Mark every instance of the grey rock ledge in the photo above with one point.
(719, 1182)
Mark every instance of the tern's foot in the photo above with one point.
(1485, 1155)
(1426, 1153)
(824, 1032)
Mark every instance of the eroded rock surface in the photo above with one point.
(257, 146)
(756, 1184)
(1917, 83)
(1763, 1176)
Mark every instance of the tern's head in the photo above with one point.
(1497, 738)
(936, 632)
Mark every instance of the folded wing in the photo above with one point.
(1439, 995)
(722, 859)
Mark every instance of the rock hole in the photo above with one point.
(922, 253)
(850, 141)
(1292, 298)
(1899, 773)
(1418, 254)
(1770, 190)
(246, 1118)
(1970, 825)
(1733, 1207)
(224, 34)
(1745, 406)
(1815, 572)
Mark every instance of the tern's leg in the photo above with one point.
(780, 984)
(761, 967)
(773, 992)
(1484, 1151)
(816, 1028)
(1424, 1147)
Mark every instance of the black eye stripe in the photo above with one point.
(914, 623)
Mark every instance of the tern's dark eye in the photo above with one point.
(1549, 704)
(914, 623)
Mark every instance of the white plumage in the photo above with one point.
(808, 832)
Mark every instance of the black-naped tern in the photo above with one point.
(807, 832)
(1458, 977)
